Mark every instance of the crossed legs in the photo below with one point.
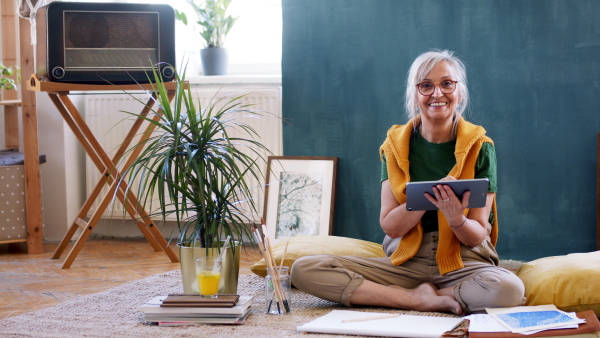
(375, 282)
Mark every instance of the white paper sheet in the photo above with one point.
(487, 323)
(402, 326)
(532, 319)
(484, 323)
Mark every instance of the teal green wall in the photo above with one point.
(534, 76)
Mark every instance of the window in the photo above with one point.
(254, 42)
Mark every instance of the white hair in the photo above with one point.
(422, 66)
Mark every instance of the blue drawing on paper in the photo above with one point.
(299, 209)
(521, 320)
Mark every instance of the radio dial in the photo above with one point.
(168, 72)
(58, 72)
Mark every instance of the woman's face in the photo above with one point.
(439, 106)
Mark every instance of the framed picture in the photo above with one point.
(300, 196)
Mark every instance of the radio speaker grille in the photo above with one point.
(111, 30)
(108, 58)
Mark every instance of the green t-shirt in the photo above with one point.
(433, 161)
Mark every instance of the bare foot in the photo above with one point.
(421, 298)
(430, 301)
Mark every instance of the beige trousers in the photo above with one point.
(479, 284)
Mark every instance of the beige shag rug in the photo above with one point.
(114, 313)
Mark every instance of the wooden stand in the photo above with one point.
(59, 94)
(10, 98)
(33, 185)
(16, 36)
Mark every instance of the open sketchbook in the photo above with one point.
(399, 326)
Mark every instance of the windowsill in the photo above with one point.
(234, 79)
(272, 80)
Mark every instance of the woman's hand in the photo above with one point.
(448, 203)
(471, 229)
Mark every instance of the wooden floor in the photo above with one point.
(33, 282)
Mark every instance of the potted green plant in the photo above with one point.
(193, 169)
(214, 24)
(6, 82)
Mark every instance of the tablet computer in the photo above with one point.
(416, 200)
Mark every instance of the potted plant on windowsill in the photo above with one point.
(193, 170)
(214, 24)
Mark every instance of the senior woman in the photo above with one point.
(441, 260)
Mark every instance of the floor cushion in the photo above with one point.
(10, 157)
(300, 246)
(570, 282)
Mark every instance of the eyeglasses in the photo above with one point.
(427, 88)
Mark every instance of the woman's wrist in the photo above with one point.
(461, 224)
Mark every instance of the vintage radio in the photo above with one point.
(84, 42)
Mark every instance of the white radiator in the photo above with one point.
(105, 117)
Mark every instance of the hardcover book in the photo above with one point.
(184, 300)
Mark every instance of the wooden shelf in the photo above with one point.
(13, 241)
(16, 37)
(16, 103)
(35, 84)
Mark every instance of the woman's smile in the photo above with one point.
(437, 104)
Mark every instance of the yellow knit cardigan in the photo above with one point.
(469, 140)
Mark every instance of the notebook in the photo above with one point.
(399, 326)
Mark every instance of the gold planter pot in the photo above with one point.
(229, 272)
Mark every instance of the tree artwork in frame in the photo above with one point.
(299, 196)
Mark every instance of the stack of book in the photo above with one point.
(181, 309)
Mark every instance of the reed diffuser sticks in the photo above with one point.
(264, 244)
(286, 247)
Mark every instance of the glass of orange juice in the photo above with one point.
(208, 271)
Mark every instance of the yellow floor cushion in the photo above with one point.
(300, 246)
(570, 282)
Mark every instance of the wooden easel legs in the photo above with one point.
(112, 177)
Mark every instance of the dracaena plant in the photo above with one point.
(194, 169)
(211, 16)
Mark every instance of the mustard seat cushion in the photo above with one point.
(570, 282)
(300, 246)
